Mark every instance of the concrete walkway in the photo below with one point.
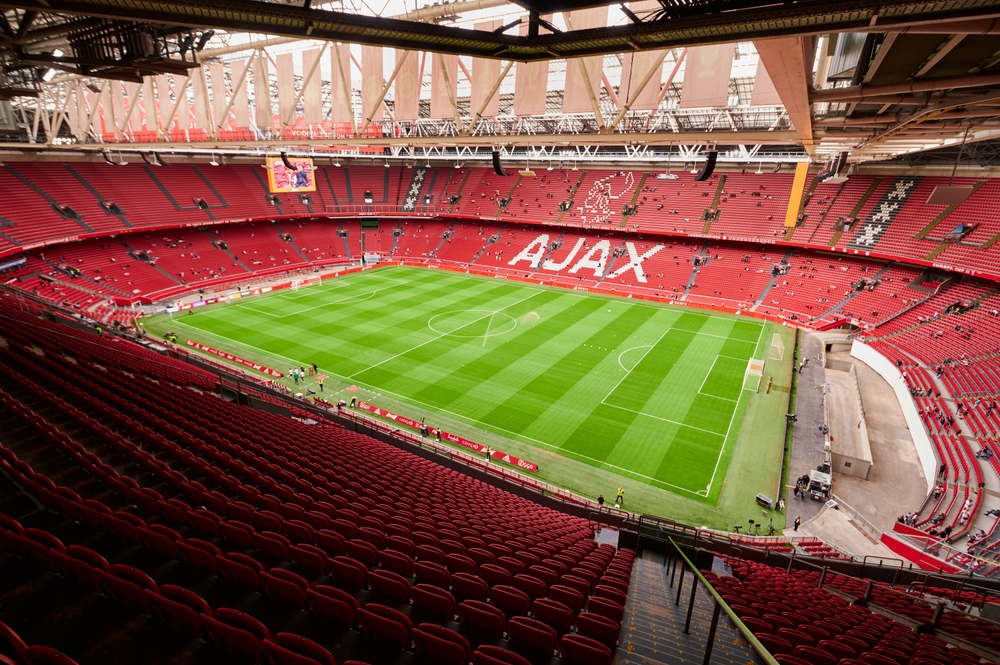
(807, 441)
(836, 527)
(896, 484)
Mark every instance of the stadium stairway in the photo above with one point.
(654, 628)
(850, 296)
(694, 273)
(292, 243)
(771, 282)
(151, 264)
(445, 236)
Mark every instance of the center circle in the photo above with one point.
(472, 323)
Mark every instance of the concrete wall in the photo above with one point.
(851, 466)
(892, 376)
(839, 365)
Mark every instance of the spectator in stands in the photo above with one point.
(938, 491)
(984, 453)
(937, 519)
(992, 512)
(963, 517)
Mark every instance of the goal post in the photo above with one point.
(777, 351)
(754, 373)
(306, 281)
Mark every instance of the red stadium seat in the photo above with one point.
(286, 586)
(389, 586)
(476, 615)
(512, 602)
(236, 632)
(579, 650)
(80, 565)
(433, 600)
(39, 655)
(468, 587)
(489, 654)
(606, 608)
(125, 585)
(385, 623)
(555, 614)
(240, 569)
(12, 645)
(328, 602)
(441, 645)
(290, 649)
(599, 628)
(348, 572)
(396, 562)
(179, 608)
(531, 635)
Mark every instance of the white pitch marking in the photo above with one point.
(710, 373)
(360, 296)
(645, 346)
(430, 407)
(718, 459)
(434, 339)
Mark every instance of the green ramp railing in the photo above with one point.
(720, 606)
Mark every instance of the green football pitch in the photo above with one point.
(652, 393)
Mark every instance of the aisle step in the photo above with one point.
(653, 628)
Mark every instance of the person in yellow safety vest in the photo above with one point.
(620, 499)
(489, 453)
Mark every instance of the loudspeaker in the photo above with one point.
(497, 168)
(840, 163)
(706, 171)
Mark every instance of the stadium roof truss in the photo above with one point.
(792, 82)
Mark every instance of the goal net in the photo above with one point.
(755, 370)
(777, 348)
(306, 281)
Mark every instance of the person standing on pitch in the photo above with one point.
(620, 499)
(320, 381)
(600, 500)
(489, 453)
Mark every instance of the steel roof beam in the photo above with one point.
(874, 93)
(705, 27)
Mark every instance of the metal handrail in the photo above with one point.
(720, 605)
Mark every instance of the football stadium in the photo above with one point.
(499, 332)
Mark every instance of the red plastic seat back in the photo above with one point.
(39, 655)
(11, 644)
(512, 602)
(599, 628)
(580, 650)
(480, 616)
(433, 600)
(384, 623)
(291, 649)
(441, 645)
(531, 634)
(328, 602)
(489, 654)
